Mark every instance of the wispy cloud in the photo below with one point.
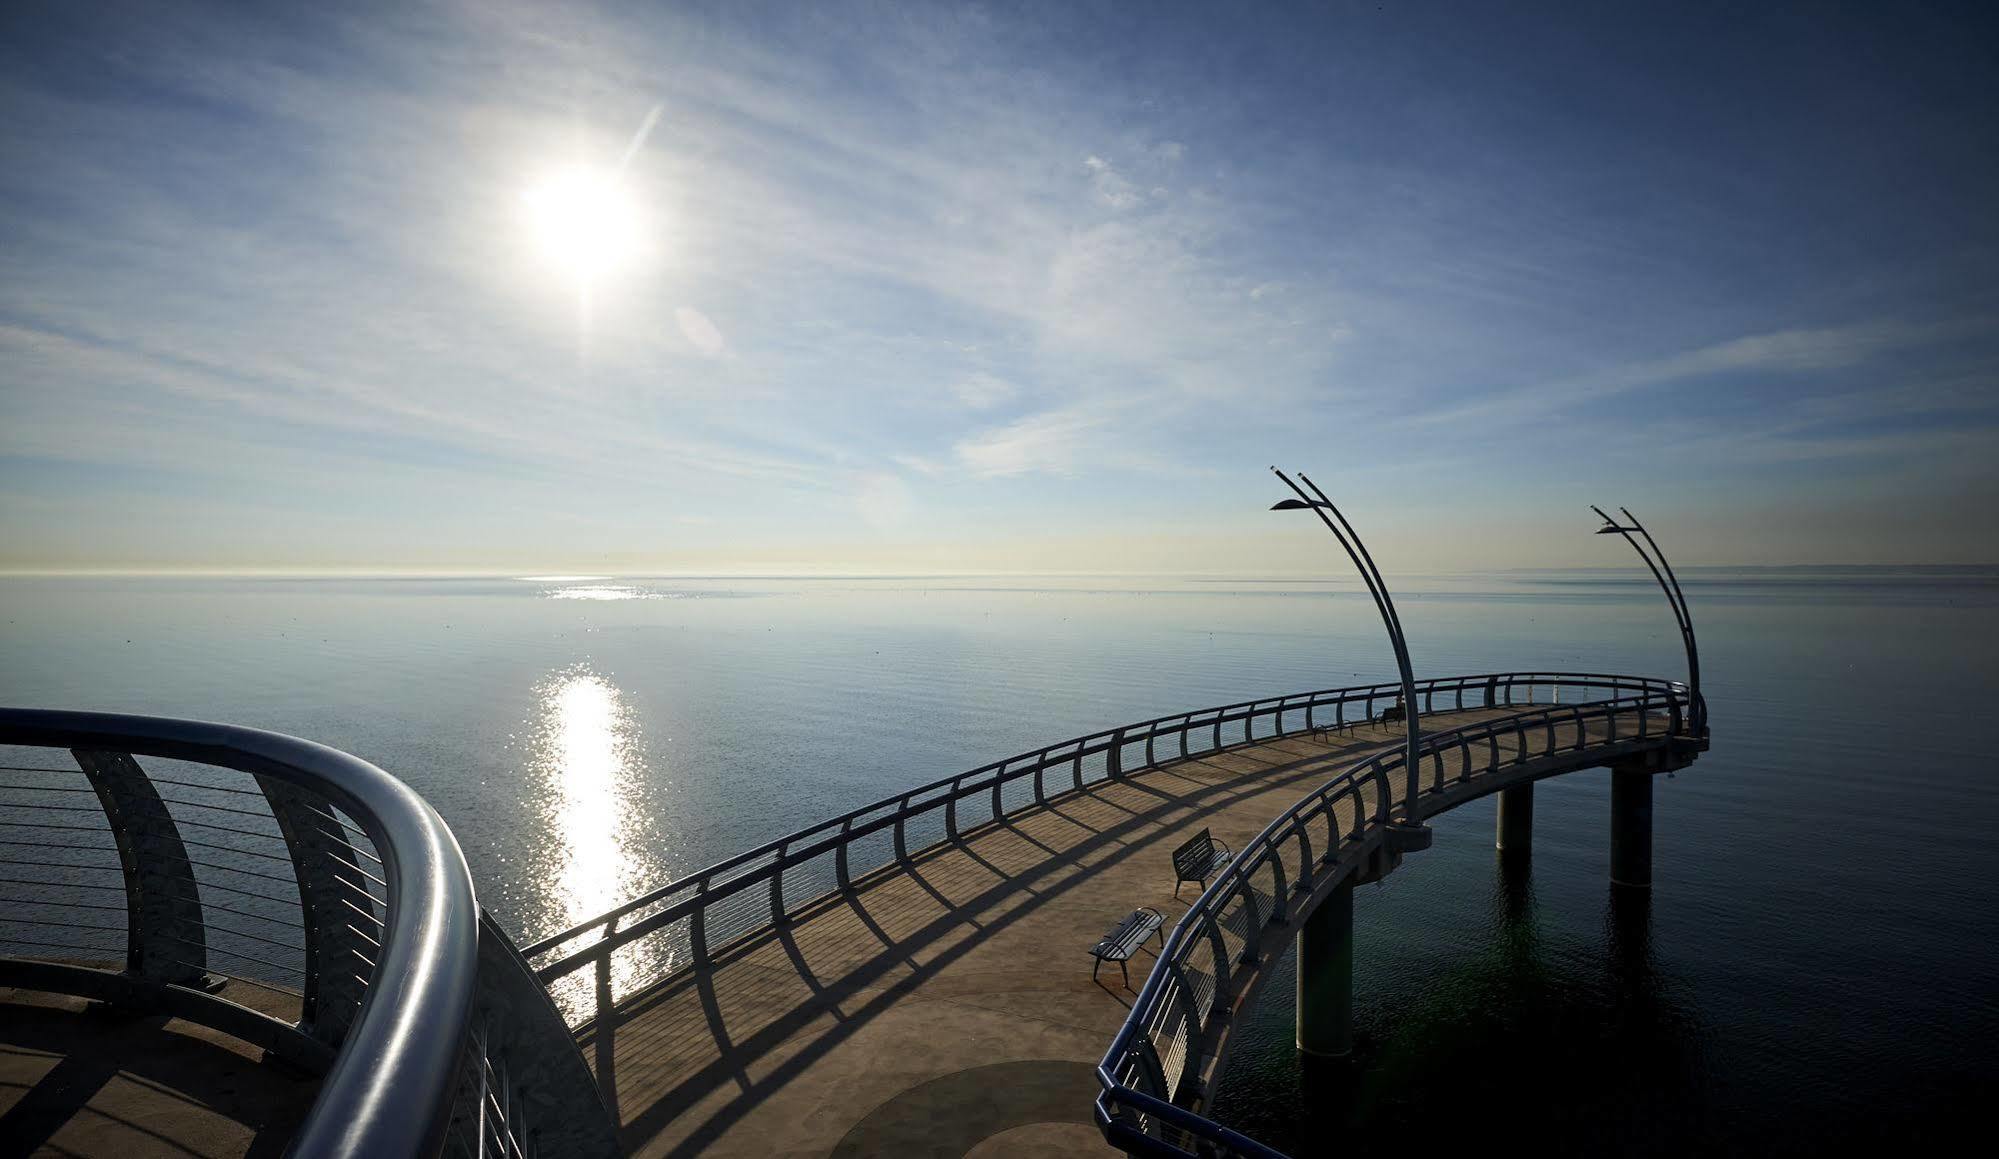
(889, 261)
(1058, 442)
(983, 391)
(1108, 433)
(1780, 352)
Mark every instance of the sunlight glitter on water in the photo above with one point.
(586, 752)
(605, 592)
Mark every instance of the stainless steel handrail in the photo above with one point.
(1134, 1118)
(689, 899)
(451, 1026)
(390, 1088)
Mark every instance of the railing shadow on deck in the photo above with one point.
(918, 918)
(702, 924)
(1157, 1072)
(190, 1083)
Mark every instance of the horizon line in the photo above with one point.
(577, 576)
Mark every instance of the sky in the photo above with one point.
(931, 288)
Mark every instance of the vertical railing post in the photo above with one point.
(1224, 969)
(607, 998)
(1190, 1059)
(777, 886)
(165, 933)
(697, 924)
(1253, 928)
(339, 959)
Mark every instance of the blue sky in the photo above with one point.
(935, 288)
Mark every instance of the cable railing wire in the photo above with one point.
(703, 906)
(1157, 1049)
(324, 882)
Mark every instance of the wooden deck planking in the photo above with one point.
(868, 1022)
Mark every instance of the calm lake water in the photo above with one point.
(1815, 971)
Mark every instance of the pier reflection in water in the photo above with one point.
(600, 845)
(1587, 1033)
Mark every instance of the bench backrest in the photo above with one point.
(1133, 930)
(1192, 858)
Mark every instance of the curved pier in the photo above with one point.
(908, 978)
(912, 977)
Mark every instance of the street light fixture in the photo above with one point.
(1383, 603)
(1669, 584)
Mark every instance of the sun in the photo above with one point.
(584, 222)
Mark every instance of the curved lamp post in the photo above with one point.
(1376, 587)
(1670, 584)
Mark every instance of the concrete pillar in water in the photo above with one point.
(1516, 819)
(1325, 976)
(1631, 827)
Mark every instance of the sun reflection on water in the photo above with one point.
(586, 754)
(604, 592)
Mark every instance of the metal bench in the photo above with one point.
(1124, 939)
(1198, 859)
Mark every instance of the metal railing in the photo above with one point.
(242, 858)
(1171, 1042)
(686, 922)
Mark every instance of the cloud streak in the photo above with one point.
(895, 265)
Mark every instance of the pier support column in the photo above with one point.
(1325, 977)
(1631, 827)
(1516, 819)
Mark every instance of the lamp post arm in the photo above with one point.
(1388, 601)
(1670, 589)
(1686, 613)
(1686, 620)
(1672, 602)
(1401, 643)
(1366, 576)
(1384, 604)
(1676, 599)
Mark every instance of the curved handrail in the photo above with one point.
(421, 1056)
(690, 899)
(399, 1063)
(1173, 1006)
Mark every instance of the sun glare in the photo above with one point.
(585, 223)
